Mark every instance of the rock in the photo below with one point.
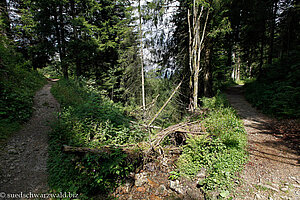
(164, 161)
(128, 185)
(269, 187)
(201, 175)
(140, 179)
(174, 185)
(193, 194)
(141, 189)
(284, 189)
(258, 196)
(152, 183)
(130, 197)
(161, 189)
(213, 194)
(296, 186)
(12, 151)
(153, 197)
(150, 167)
(285, 198)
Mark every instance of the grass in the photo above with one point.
(221, 152)
(18, 87)
(88, 119)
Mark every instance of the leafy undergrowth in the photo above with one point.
(17, 87)
(221, 152)
(277, 92)
(89, 120)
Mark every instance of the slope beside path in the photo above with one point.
(273, 170)
(23, 160)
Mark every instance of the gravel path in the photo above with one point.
(23, 160)
(273, 170)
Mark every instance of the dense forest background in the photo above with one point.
(209, 43)
(153, 62)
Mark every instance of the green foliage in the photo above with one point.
(18, 85)
(221, 152)
(89, 120)
(277, 93)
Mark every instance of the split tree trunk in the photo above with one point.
(197, 30)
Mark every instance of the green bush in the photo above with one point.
(221, 152)
(277, 92)
(89, 120)
(18, 85)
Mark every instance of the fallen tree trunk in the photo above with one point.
(128, 149)
(184, 127)
(165, 104)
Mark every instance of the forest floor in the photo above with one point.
(273, 169)
(23, 158)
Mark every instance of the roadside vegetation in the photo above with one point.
(89, 119)
(277, 91)
(18, 84)
(221, 152)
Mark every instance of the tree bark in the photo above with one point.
(207, 79)
(142, 59)
(274, 9)
(165, 104)
(63, 46)
(197, 45)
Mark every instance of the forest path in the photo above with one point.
(273, 170)
(23, 159)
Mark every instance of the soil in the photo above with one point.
(273, 170)
(23, 159)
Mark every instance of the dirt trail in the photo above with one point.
(23, 160)
(273, 170)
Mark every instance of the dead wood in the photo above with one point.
(129, 149)
(181, 128)
(165, 104)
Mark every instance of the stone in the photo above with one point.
(152, 183)
(130, 197)
(12, 151)
(285, 198)
(258, 196)
(194, 194)
(154, 197)
(150, 167)
(141, 189)
(174, 185)
(140, 179)
(161, 189)
(284, 189)
(269, 187)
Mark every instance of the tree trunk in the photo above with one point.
(63, 45)
(196, 44)
(261, 59)
(142, 59)
(270, 57)
(207, 86)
